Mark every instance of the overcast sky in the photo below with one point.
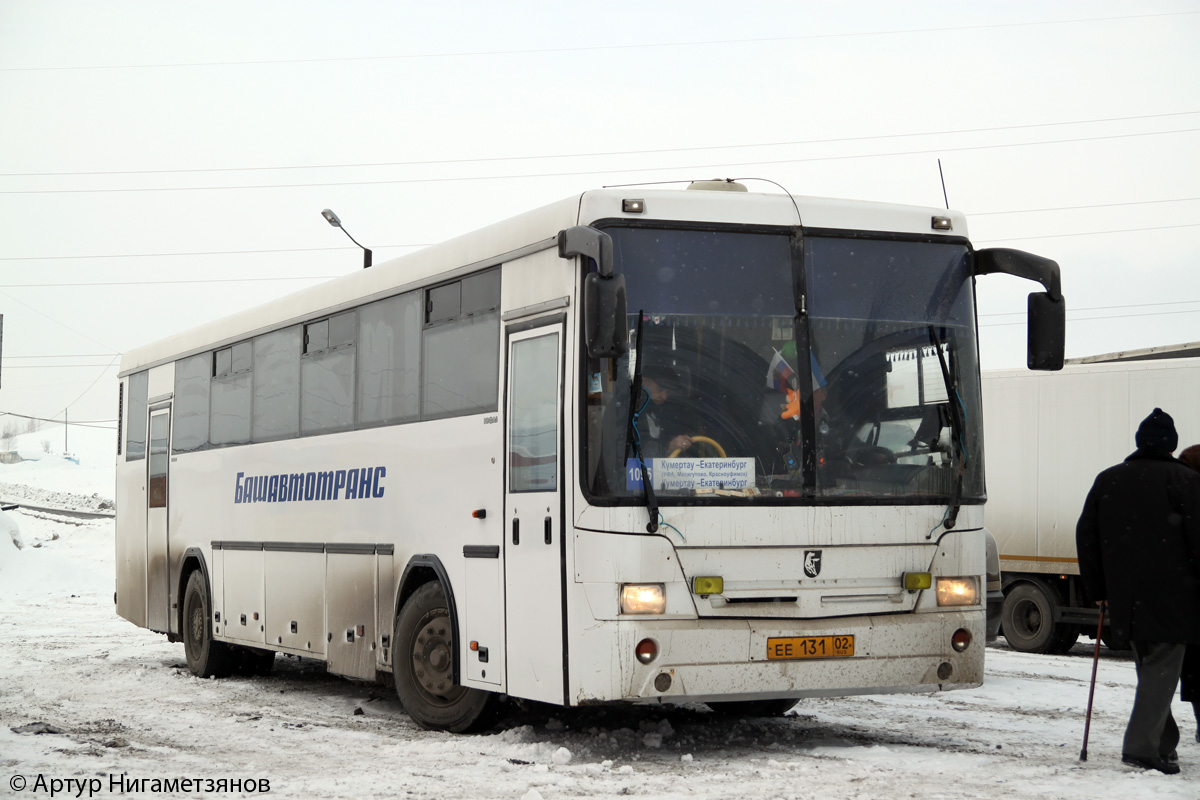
(162, 164)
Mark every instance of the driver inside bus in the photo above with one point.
(659, 426)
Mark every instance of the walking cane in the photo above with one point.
(1092, 691)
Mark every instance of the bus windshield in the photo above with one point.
(840, 367)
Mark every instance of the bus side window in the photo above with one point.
(135, 443)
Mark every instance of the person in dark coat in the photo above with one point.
(1189, 679)
(1138, 540)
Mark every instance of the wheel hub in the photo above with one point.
(433, 657)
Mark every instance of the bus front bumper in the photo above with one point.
(724, 659)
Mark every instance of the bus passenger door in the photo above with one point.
(158, 591)
(534, 550)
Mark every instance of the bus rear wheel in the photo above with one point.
(423, 667)
(205, 657)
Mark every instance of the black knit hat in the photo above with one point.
(1157, 431)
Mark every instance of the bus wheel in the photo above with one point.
(423, 667)
(205, 657)
(1028, 620)
(753, 708)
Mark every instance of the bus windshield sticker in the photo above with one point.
(701, 475)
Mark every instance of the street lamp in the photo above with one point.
(333, 220)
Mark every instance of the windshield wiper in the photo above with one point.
(958, 448)
(633, 439)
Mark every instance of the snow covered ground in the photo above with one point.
(120, 701)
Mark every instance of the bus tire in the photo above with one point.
(205, 658)
(1028, 619)
(753, 708)
(423, 667)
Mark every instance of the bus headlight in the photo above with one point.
(643, 598)
(957, 591)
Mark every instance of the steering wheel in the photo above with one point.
(871, 455)
(702, 440)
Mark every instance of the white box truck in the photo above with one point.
(1046, 437)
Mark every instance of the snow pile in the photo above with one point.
(9, 531)
(84, 482)
(44, 483)
(44, 567)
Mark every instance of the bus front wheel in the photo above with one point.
(205, 658)
(423, 667)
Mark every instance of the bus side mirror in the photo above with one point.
(1047, 310)
(604, 324)
(1047, 331)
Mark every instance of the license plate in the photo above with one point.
(789, 647)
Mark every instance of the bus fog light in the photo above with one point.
(957, 591)
(916, 581)
(643, 598)
(961, 640)
(647, 650)
(706, 585)
(945, 670)
(662, 681)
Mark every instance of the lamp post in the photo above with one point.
(333, 220)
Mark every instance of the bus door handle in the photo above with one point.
(548, 524)
(516, 530)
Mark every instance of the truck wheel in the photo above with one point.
(1028, 618)
(205, 658)
(423, 667)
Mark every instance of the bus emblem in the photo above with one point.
(812, 563)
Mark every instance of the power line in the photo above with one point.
(73, 284)
(58, 322)
(210, 253)
(1102, 308)
(1096, 319)
(72, 355)
(443, 162)
(57, 421)
(59, 366)
(1081, 208)
(389, 246)
(186, 281)
(1086, 233)
(576, 173)
(599, 48)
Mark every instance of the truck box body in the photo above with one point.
(1047, 436)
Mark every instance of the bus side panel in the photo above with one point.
(385, 604)
(484, 622)
(242, 579)
(295, 601)
(350, 578)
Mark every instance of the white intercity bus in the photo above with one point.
(655, 446)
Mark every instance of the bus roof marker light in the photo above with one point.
(336, 222)
(633, 205)
(942, 224)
